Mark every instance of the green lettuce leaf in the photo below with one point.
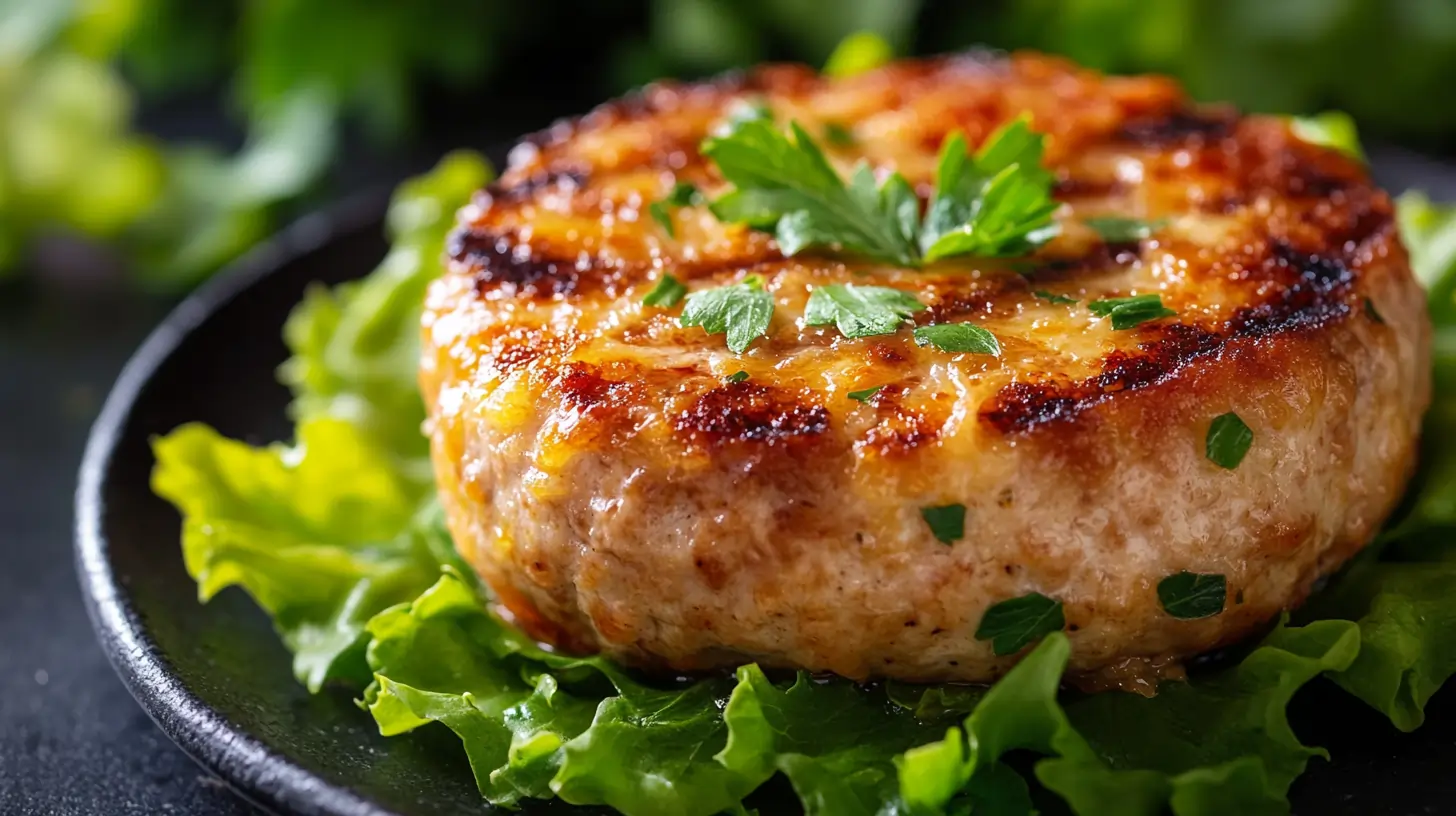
(356, 346)
(1398, 591)
(323, 534)
(834, 740)
(536, 724)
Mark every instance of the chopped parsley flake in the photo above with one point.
(1228, 440)
(1131, 312)
(947, 522)
(864, 394)
(737, 377)
(958, 337)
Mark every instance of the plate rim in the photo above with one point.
(260, 775)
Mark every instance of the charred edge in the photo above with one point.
(1073, 188)
(1315, 295)
(1179, 126)
(527, 188)
(650, 100)
(746, 412)
(501, 261)
(583, 387)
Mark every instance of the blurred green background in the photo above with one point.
(177, 133)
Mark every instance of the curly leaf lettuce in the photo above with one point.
(356, 346)
(323, 534)
(536, 724)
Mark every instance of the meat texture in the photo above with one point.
(621, 493)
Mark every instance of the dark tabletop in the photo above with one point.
(72, 740)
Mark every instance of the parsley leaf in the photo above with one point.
(860, 311)
(683, 194)
(947, 522)
(1228, 440)
(787, 183)
(1118, 230)
(1052, 297)
(864, 395)
(996, 204)
(666, 294)
(1012, 624)
(1130, 312)
(1189, 595)
(741, 311)
(736, 377)
(958, 337)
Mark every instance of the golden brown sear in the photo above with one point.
(622, 494)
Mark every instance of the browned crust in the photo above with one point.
(1299, 270)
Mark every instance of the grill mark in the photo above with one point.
(1073, 188)
(748, 412)
(1316, 295)
(584, 388)
(502, 261)
(525, 189)
(1179, 127)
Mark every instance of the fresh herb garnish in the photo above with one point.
(788, 184)
(741, 311)
(736, 377)
(1189, 595)
(1052, 297)
(1373, 313)
(1117, 230)
(668, 292)
(947, 522)
(996, 203)
(1130, 312)
(864, 395)
(682, 194)
(860, 311)
(1012, 624)
(1228, 440)
(1333, 129)
(966, 337)
(838, 135)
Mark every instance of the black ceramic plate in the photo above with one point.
(218, 682)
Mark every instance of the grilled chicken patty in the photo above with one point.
(621, 492)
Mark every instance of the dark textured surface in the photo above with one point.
(73, 741)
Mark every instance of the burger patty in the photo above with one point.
(622, 491)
